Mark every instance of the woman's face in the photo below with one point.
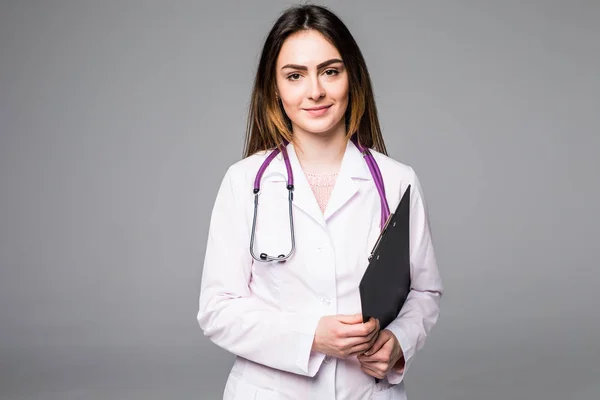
(312, 84)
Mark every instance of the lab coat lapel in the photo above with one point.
(353, 167)
(304, 199)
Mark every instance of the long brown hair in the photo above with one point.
(267, 122)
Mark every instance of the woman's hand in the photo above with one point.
(385, 354)
(345, 335)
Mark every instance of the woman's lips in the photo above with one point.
(317, 111)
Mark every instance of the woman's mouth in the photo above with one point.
(317, 111)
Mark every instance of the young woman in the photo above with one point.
(293, 225)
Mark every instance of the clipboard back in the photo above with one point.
(385, 284)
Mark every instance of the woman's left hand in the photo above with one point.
(384, 355)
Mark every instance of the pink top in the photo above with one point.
(322, 186)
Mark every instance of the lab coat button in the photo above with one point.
(327, 359)
(325, 301)
(322, 247)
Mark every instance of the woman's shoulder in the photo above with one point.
(392, 167)
(397, 176)
(247, 168)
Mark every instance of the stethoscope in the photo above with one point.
(373, 168)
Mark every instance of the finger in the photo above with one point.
(361, 330)
(381, 340)
(364, 342)
(384, 354)
(373, 337)
(370, 338)
(349, 345)
(368, 371)
(361, 345)
(356, 343)
(378, 367)
(373, 359)
(350, 319)
(360, 349)
(373, 371)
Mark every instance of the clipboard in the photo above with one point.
(386, 282)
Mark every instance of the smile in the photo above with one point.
(317, 111)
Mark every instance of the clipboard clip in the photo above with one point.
(380, 236)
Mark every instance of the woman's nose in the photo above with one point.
(316, 90)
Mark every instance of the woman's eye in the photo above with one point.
(331, 72)
(294, 77)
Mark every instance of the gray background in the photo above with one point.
(119, 118)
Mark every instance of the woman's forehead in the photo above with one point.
(308, 48)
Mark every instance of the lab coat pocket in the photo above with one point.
(382, 395)
(239, 389)
(394, 392)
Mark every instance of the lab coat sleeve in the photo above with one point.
(421, 308)
(229, 314)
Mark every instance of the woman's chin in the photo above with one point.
(323, 128)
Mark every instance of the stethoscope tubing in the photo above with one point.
(371, 164)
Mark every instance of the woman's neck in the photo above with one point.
(321, 154)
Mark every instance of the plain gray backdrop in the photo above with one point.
(119, 118)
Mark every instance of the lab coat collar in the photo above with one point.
(353, 167)
(353, 163)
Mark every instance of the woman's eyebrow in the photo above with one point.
(322, 65)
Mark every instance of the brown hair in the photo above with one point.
(267, 122)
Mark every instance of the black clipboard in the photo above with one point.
(385, 284)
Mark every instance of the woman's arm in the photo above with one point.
(421, 309)
(229, 314)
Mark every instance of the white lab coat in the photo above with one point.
(266, 313)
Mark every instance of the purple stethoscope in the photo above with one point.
(371, 163)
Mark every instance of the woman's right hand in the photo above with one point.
(345, 335)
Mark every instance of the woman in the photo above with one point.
(295, 323)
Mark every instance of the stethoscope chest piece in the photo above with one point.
(265, 257)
